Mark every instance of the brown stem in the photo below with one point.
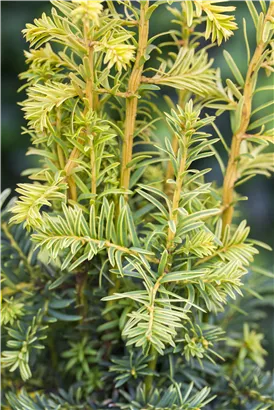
(231, 175)
(117, 93)
(131, 112)
(71, 183)
(230, 179)
(132, 102)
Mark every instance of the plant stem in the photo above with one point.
(89, 94)
(131, 112)
(81, 281)
(52, 349)
(60, 153)
(93, 168)
(75, 152)
(173, 217)
(176, 195)
(151, 366)
(185, 36)
(230, 179)
(231, 174)
(175, 145)
(132, 102)
(82, 277)
(107, 244)
(170, 170)
(153, 362)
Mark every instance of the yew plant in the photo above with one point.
(128, 279)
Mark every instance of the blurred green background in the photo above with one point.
(15, 14)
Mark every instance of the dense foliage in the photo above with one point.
(127, 281)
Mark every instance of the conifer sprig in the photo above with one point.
(123, 269)
(243, 114)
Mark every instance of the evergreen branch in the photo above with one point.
(132, 101)
(34, 196)
(190, 71)
(231, 174)
(25, 339)
(177, 193)
(233, 247)
(45, 239)
(37, 401)
(55, 29)
(185, 39)
(42, 99)
(88, 64)
(56, 234)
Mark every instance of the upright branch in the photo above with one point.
(88, 62)
(175, 143)
(183, 42)
(132, 100)
(231, 175)
(177, 192)
(184, 133)
(170, 237)
(90, 105)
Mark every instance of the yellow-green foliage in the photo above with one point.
(126, 276)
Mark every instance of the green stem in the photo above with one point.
(53, 352)
(170, 239)
(81, 281)
(151, 366)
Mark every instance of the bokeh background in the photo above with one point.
(14, 16)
